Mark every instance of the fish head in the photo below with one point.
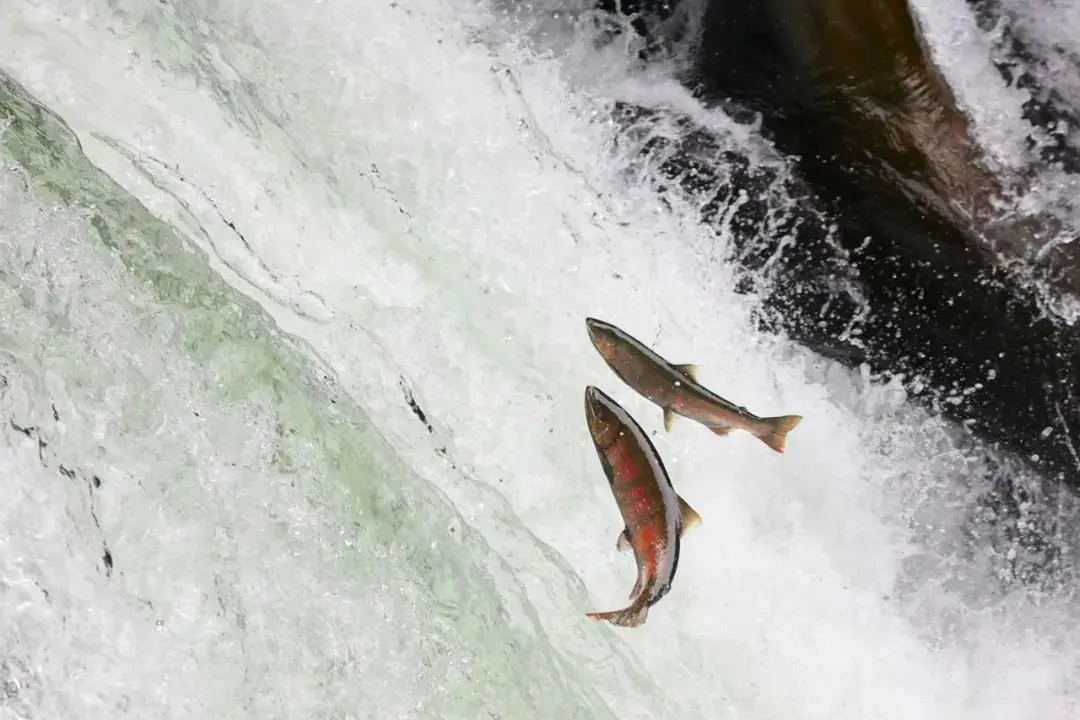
(604, 424)
(604, 336)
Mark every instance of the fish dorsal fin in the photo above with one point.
(689, 516)
(623, 543)
(669, 417)
(688, 369)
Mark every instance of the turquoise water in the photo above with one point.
(239, 238)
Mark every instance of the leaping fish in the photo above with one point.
(676, 390)
(654, 514)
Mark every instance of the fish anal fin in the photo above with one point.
(722, 430)
(688, 515)
(776, 430)
(669, 417)
(688, 369)
(623, 543)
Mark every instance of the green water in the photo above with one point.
(283, 558)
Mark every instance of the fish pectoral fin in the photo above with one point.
(688, 369)
(623, 543)
(688, 515)
(669, 417)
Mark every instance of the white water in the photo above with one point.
(419, 204)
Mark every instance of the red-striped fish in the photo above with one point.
(676, 390)
(653, 513)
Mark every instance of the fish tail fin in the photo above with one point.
(777, 428)
(631, 616)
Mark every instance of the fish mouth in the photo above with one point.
(591, 325)
(600, 417)
(600, 333)
(596, 326)
(593, 400)
(597, 403)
